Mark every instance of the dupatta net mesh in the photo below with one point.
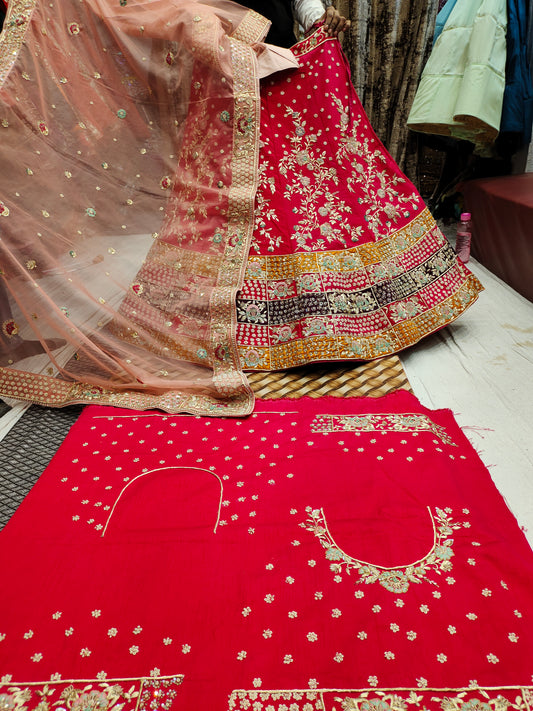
(129, 140)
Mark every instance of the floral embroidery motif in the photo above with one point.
(10, 328)
(137, 288)
(462, 701)
(404, 422)
(319, 207)
(369, 177)
(395, 580)
(324, 217)
(118, 694)
(419, 699)
(253, 312)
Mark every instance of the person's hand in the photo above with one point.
(335, 22)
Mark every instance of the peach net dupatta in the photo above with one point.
(128, 146)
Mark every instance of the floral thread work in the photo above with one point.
(397, 579)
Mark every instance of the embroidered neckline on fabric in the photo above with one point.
(153, 471)
(398, 578)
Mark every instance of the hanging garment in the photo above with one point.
(387, 47)
(461, 89)
(442, 18)
(323, 555)
(130, 148)
(517, 110)
(529, 40)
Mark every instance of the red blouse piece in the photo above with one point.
(321, 554)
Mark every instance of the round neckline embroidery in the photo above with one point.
(162, 469)
(396, 579)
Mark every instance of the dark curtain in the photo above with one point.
(387, 47)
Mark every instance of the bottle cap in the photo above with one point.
(465, 216)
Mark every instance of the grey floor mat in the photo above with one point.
(26, 451)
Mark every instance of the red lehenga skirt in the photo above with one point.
(346, 261)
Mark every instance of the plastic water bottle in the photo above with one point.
(464, 237)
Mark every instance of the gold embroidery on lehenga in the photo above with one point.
(392, 278)
(310, 177)
(372, 329)
(316, 207)
(377, 185)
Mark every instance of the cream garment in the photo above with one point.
(307, 12)
(461, 90)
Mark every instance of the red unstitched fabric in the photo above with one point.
(321, 554)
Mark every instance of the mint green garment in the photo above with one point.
(462, 85)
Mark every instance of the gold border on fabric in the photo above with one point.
(245, 160)
(315, 39)
(366, 347)
(380, 422)
(92, 693)
(252, 29)
(15, 25)
(367, 339)
(421, 698)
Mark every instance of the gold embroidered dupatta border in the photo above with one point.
(12, 35)
(231, 394)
